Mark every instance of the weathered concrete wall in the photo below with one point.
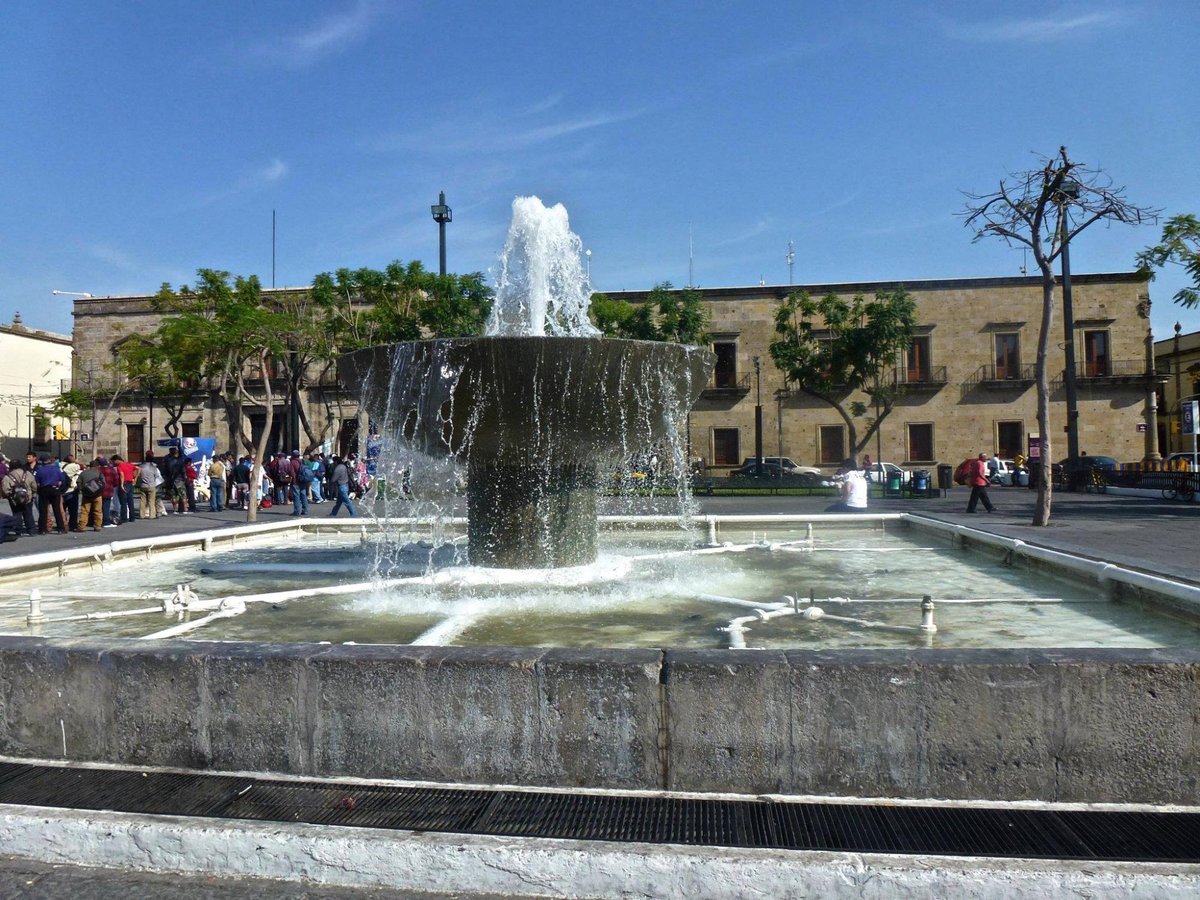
(1048, 725)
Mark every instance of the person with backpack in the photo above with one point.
(19, 488)
(339, 481)
(70, 491)
(320, 470)
(90, 485)
(50, 483)
(303, 474)
(112, 486)
(148, 479)
(977, 477)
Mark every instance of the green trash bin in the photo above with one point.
(893, 484)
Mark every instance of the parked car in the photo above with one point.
(888, 470)
(1174, 459)
(1001, 471)
(781, 463)
(1104, 462)
(799, 476)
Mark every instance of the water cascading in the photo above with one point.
(540, 409)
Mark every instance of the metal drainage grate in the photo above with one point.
(908, 829)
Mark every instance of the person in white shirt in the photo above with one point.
(854, 489)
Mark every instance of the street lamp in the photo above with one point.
(151, 393)
(758, 463)
(1067, 192)
(85, 296)
(441, 214)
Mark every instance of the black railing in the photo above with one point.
(930, 376)
(725, 383)
(1000, 375)
(1119, 368)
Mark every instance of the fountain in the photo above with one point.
(537, 407)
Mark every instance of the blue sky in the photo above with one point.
(143, 140)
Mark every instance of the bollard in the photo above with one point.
(36, 616)
(927, 615)
(712, 532)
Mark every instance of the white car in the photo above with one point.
(889, 469)
(1000, 471)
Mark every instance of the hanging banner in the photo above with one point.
(1190, 415)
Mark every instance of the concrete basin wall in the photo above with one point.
(1095, 726)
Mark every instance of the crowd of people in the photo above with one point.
(49, 495)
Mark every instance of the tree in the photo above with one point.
(833, 347)
(1033, 209)
(1180, 245)
(665, 315)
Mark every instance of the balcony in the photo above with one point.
(1120, 371)
(727, 386)
(929, 378)
(993, 377)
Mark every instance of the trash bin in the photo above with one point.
(945, 475)
(893, 483)
(920, 482)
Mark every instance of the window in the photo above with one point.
(726, 447)
(1008, 356)
(725, 371)
(918, 359)
(1096, 362)
(1010, 439)
(833, 444)
(191, 429)
(920, 442)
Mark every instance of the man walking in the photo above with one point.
(977, 478)
(339, 481)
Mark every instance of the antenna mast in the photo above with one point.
(791, 261)
(691, 282)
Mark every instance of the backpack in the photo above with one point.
(20, 494)
(960, 474)
(304, 474)
(92, 488)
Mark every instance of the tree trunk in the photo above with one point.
(1041, 513)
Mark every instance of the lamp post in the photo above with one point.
(151, 393)
(442, 214)
(1176, 411)
(1067, 192)
(758, 436)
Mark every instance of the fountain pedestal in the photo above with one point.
(537, 420)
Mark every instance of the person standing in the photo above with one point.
(19, 488)
(128, 473)
(302, 475)
(147, 486)
(216, 485)
(977, 478)
(242, 473)
(91, 486)
(112, 486)
(70, 492)
(50, 480)
(339, 481)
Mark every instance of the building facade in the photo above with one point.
(35, 369)
(968, 376)
(1178, 361)
(129, 419)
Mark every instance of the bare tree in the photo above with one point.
(1044, 210)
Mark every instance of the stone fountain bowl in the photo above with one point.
(531, 400)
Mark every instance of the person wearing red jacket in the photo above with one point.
(977, 478)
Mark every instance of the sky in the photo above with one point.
(140, 141)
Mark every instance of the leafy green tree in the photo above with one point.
(1180, 245)
(665, 315)
(832, 349)
(1034, 209)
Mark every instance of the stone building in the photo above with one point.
(1178, 361)
(968, 375)
(137, 417)
(35, 368)
(968, 378)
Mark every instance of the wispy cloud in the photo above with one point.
(263, 176)
(1033, 30)
(492, 137)
(326, 37)
(115, 257)
(762, 226)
